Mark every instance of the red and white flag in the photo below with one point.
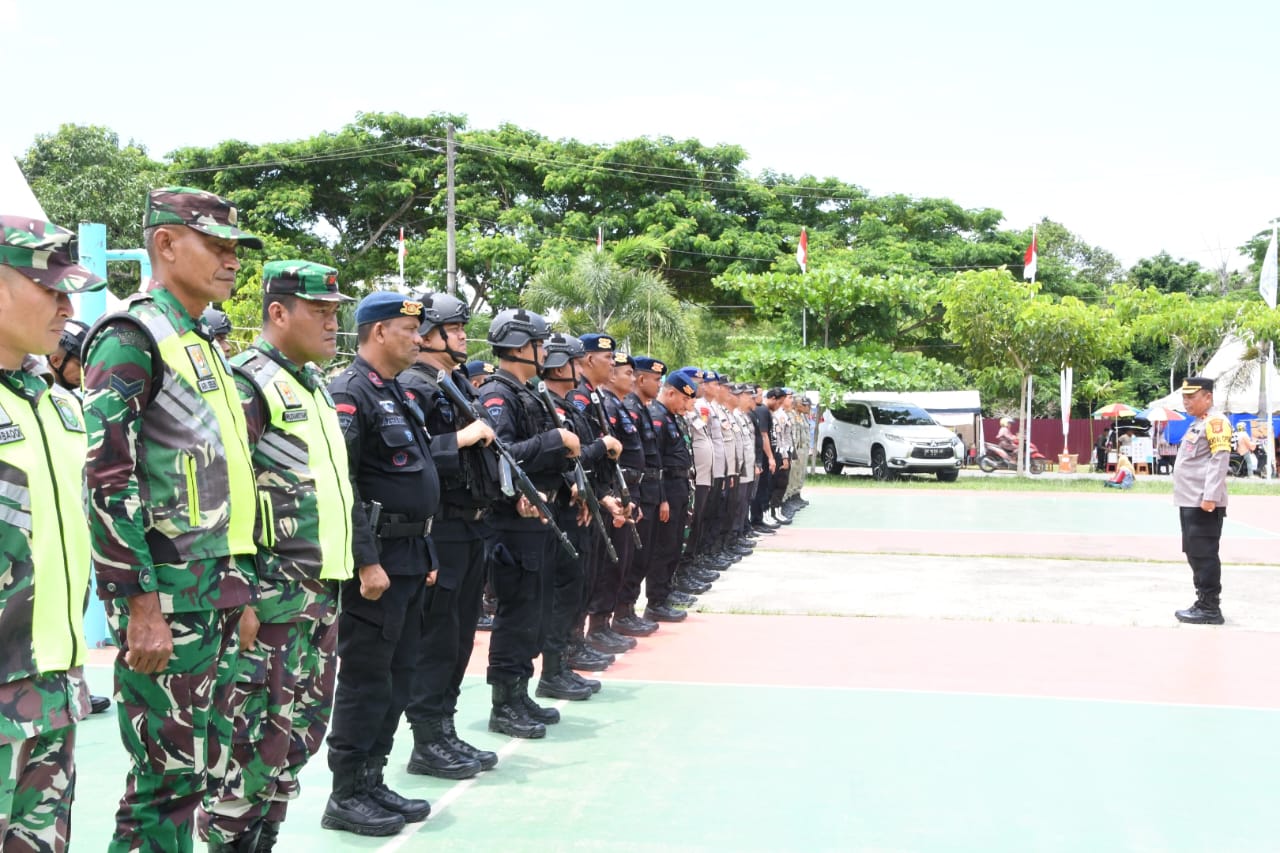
(802, 251)
(1029, 259)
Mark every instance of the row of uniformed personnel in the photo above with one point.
(247, 523)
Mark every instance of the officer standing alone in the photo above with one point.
(1200, 493)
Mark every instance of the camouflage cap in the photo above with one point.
(46, 254)
(198, 210)
(304, 279)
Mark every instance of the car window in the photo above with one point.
(859, 415)
(903, 414)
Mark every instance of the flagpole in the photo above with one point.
(400, 257)
(1267, 287)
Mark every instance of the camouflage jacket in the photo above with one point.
(290, 567)
(119, 364)
(45, 547)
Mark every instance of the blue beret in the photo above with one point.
(621, 358)
(711, 376)
(691, 371)
(386, 305)
(682, 383)
(478, 368)
(650, 365)
(597, 342)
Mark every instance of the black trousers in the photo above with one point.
(629, 591)
(667, 536)
(709, 541)
(521, 564)
(701, 497)
(563, 604)
(449, 632)
(1201, 533)
(760, 497)
(379, 644)
(604, 593)
(780, 479)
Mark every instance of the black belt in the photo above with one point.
(462, 513)
(632, 476)
(394, 526)
(675, 473)
(653, 473)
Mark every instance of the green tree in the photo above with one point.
(1003, 324)
(597, 293)
(81, 173)
(1168, 275)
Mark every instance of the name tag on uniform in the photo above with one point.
(9, 431)
(204, 373)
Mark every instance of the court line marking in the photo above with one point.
(454, 793)
(920, 691)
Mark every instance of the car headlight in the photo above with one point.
(891, 436)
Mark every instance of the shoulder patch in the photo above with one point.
(126, 390)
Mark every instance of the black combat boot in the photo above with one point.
(582, 656)
(270, 832)
(509, 715)
(546, 716)
(662, 612)
(1201, 613)
(602, 639)
(488, 760)
(412, 811)
(590, 683)
(246, 843)
(627, 623)
(350, 808)
(554, 682)
(676, 598)
(433, 756)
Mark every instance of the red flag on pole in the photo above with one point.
(1029, 259)
(802, 251)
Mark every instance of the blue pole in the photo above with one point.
(93, 254)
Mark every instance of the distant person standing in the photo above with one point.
(1200, 492)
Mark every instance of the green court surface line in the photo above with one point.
(658, 766)
(1100, 515)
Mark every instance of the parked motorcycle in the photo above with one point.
(996, 458)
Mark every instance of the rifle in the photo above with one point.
(580, 477)
(523, 483)
(623, 491)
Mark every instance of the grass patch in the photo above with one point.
(975, 481)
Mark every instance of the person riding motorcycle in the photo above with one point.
(1006, 437)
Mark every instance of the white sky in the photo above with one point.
(1140, 125)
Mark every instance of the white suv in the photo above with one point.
(888, 437)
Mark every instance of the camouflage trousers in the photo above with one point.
(283, 697)
(37, 782)
(175, 726)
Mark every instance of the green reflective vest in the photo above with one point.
(304, 484)
(194, 467)
(44, 532)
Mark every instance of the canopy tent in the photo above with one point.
(16, 198)
(1237, 380)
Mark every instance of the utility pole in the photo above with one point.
(451, 258)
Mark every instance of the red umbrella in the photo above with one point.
(1160, 413)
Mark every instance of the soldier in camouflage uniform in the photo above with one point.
(288, 640)
(172, 507)
(44, 543)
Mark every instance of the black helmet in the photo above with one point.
(441, 308)
(512, 328)
(217, 321)
(561, 348)
(72, 340)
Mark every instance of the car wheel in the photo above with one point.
(830, 463)
(948, 476)
(880, 466)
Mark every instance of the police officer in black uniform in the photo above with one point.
(667, 414)
(632, 460)
(564, 599)
(522, 559)
(647, 374)
(468, 485)
(380, 623)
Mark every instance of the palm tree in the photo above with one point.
(604, 291)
